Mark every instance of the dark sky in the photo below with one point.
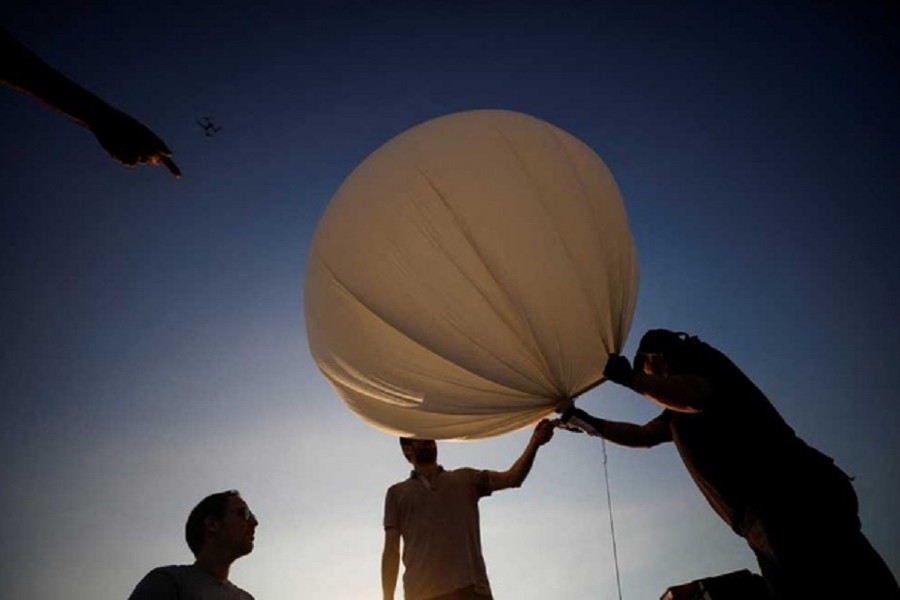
(153, 347)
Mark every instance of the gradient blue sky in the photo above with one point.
(152, 337)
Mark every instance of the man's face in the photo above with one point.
(423, 452)
(236, 530)
(654, 364)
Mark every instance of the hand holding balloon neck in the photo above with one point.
(565, 408)
(578, 421)
(564, 404)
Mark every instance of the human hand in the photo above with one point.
(618, 370)
(543, 432)
(570, 412)
(130, 142)
(578, 421)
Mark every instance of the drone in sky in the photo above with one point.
(209, 128)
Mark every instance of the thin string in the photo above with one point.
(612, 527)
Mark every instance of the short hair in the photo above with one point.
(405, 441)
(661, 341)
(214, 506)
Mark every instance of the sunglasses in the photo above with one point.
(245, 513)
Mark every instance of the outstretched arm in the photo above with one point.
(625, 434)
(126, 139)
(390, 563)
(516, 474)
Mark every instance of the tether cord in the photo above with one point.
(612, 528)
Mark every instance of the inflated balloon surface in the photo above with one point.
(469, 274)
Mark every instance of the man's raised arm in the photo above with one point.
(516, 474)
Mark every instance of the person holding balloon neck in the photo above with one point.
(795, 508)
(435, 513)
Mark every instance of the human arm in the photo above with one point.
(631, 435)
(516, 474)
(126, 139)
(681, 393)
(390, 562)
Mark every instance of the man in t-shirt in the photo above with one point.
(796, 509)
(435, 513)
(218, 531)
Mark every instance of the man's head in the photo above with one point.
(419, 452)
(223, 520)
(662, 352)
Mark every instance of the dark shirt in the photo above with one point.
(185, 582)
(746, 460)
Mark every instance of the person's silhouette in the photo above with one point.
(795, 508)
(219, 530)
(434, 514)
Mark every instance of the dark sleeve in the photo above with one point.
(158, 584)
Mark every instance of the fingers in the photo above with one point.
(161, 159)
(170, 165)
(566, 426)
(543, 431)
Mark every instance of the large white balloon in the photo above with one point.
(469, 274)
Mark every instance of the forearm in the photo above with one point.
(522, 467)
(390, 567)
(682, 393)
(26, 72)
(623, 434)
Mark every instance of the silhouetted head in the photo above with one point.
(661, 341)
(662, 351)
(223, 519)
(422, 452)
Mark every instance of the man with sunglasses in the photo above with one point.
(218, 531)
(796, 509)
